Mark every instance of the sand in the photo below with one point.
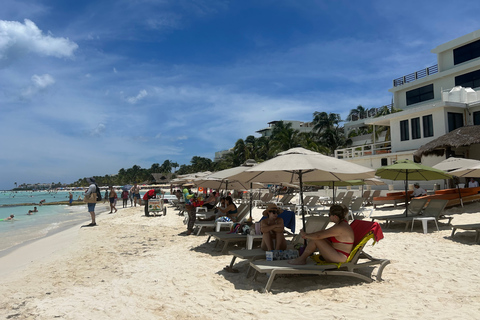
(136, 267)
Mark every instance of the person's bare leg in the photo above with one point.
(280, 242)
(92, 215)
(311, 246)
(267, 243)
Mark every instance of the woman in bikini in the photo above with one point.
(335, 243)
(230, 210)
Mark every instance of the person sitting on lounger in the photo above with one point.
(272, 228)
(334, 244)
(230, 210)
(210, 201)
(417, 191)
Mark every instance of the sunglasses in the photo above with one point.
(273, 211)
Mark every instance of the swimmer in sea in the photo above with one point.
(9, 218)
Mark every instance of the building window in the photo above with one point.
(468, 80)
(427, 126)
(404, 130)
(467, 52)
(419, 95)
(455, 120)
(416, 128)
(476, 118)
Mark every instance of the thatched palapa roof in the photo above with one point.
(460, 137)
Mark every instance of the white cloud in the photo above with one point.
(17, 39)
(98, 130)
(142, 94)
(39, 83)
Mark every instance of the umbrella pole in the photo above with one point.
(459, 193)
(301, 203)
(251, 200)
(406, 193)
(333, 186)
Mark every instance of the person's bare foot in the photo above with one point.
(297, 262)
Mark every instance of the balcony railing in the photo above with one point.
(415, 75)
(363, 151)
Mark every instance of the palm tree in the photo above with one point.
(357, 113)
(283, 137)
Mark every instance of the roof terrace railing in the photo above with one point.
(415, 75)
(363, 151)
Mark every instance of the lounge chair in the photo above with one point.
(357, 210)
(414, 209)
(339, 197)
(374, 194)
(474, 227)
(312, 224)
(241, 215)
(363, 230)
(431, 212)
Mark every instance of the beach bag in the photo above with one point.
(91, 198)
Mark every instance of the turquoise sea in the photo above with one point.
(49, 218)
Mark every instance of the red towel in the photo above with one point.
(361, 228)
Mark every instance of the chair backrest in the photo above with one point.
(339, 196)
(346, 202)
(312, 224)
(366, 194)
(356, 204)
(434, 208)
(375, 194)
(242, 211)
(306, 200)
(286, 198)
(313, 201)
(349, 194)
(416, 206)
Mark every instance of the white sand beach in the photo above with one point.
(136, 267)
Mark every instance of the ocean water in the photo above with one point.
(48, 219)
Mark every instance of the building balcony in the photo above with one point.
(364, 151)
(415, 75)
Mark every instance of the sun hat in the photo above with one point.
(270, 207)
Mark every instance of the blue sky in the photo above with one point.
(90, 87)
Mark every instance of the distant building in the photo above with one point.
(297, 125)
(220, 154)
(434, 100)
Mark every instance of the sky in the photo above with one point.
(90, 87)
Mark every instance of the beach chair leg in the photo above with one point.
(453, 232)
(477, 236)
(436, 223)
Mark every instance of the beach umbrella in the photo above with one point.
(299, 165)
(451, 164)
(127, 187)
(223, 178)
(408, 170)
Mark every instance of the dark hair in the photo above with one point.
(229, 199)
(339, 210)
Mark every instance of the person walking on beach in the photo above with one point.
(70, 198)
(91, 199)
(136, 194)
(125, 198)
(112, 197)
(130, 196)
(106, 196)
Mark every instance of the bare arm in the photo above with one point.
(277, 226)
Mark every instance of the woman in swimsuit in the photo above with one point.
(230, 210)
(272, 227)
(335, 243)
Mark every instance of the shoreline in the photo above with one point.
(14, 258)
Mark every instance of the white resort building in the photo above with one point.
(434, 101)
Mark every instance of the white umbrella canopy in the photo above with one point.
(297, 165)
(453, 163)
(472, 171)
